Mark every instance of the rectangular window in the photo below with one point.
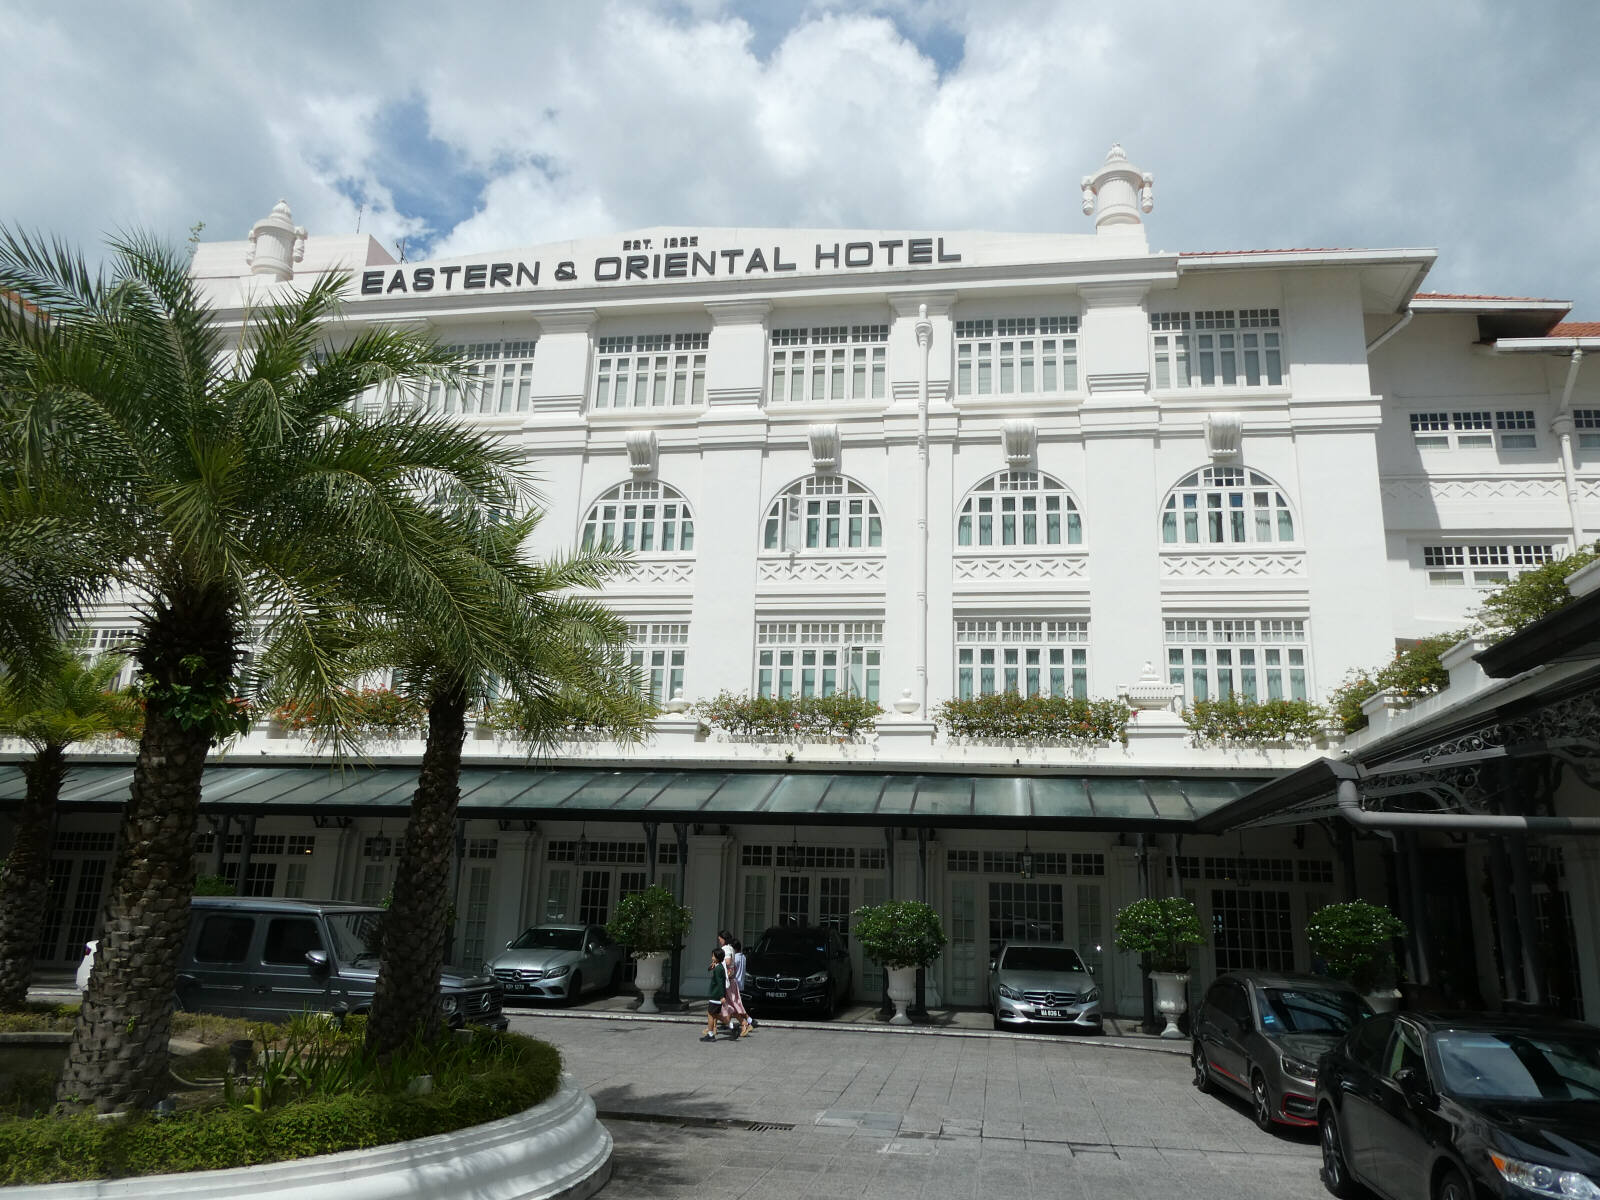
(475, 931)
(1218, 348)
(1482, 564)
(1586, 423)
(829, 364)
(1016, 356)
(651, 370)
(1024, 656)
(658, 651)
(1256, 659)
(818, 658)
(498, 379)
(224, 939)
(1250, 930)
(119, 641)
(1475, 429)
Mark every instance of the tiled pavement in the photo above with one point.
(921, 1113)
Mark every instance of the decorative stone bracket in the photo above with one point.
(1224, 434)
(642, 452)
(824, 441)
(1020, 435)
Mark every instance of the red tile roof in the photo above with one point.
(1482, 296)
(1575, 329)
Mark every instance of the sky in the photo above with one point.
(1464, 125)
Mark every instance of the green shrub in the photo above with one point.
(795, 719)
(1236, 722)
(1532, 595)
(1355, 940)
(516, 1076)
(1006, 716)
(650, 922)
(37, 1017)
(1345, 701)
(1160, 931)
(212, 885)
(1413, 673)
(377, 711)
(899, 933)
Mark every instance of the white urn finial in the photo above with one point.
(276, 244)
(1117, 193)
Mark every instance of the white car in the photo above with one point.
(86, 965)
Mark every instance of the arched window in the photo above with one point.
(1019, 508)
(823, 512)
(648, 517)
(1222, 506)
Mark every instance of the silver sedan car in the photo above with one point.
(558, 962)
(1033, 985)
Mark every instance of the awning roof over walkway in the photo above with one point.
(1082, 801)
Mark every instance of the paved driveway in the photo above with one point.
(887, 1114)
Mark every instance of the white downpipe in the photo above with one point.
(925, 340)
(1349, 799)
(1388, 333)
(1569, 467)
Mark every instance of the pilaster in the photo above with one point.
(561, 366)
(736, 363)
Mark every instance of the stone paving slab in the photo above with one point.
(921, 1117)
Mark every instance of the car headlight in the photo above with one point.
(1543, 1180)
(557, 972)
(816, 980)
(449, 1003)
(1299, 1067)
(1010, 993)
(1090, 996)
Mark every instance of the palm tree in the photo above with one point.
(230, 481)
(549, 660)
(68, 705)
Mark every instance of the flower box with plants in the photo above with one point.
(378, 712)
(1044, 720)
(1355, 941)
(1161, 931)
(652, 924)
(902, 936)
(835, 718)
(1233, 721)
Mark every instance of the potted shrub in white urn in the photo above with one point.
(651, 924)
(1161, 932)
(1355, 941)
(902, 935)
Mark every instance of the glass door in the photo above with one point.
(794, 900)
(967, 983)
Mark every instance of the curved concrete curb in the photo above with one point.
(555, 1149)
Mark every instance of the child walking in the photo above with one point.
(719, 988)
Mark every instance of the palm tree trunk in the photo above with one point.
(118, 1057)
(407, 999)
(25, 882)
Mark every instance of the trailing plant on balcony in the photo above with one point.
(1160, 931)
(1413, 673)
(378, 711)
(793, 719)
(1006, 716)
(1355, 941)
(899, 933)
(1532, 595)
(1235, 722)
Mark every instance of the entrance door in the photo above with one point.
(1025, 911)
(77, 888)
(966, 980)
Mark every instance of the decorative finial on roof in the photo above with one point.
(1118, 192)
(276, 244)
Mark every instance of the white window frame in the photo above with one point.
(1260, 658)
(1227, 506)
(1016, 356)
(1027, 656)
(823, 514)
(1212, 349)
(1586, 424)
(1001, 512)
(650, 370)
(646, 517)
(658, 649)
(102, 640)
(818, 658)
(499, 379)
(1511, 429)
(829, 364)
(1483, 565)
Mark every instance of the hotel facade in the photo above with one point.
(920, 465)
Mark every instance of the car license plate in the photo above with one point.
(1049, 1012)
(516, 987)
(776, 995)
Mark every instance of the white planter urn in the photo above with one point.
(902, 991)
(1172, 999)
(1385, 1001)
(647, 977)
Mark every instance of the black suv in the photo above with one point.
(798, 969)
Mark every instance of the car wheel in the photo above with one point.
(1202, 1070)
(1451, 1186)
(616, 978)
(1335, 1173)
(575, 991)
(1260, 1101)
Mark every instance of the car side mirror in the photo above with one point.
(318, 959)
(592, 948)
(994, 966)
(1414, 1087)
(508, 944)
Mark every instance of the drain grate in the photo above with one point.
(764, 1126)
(693, 1122)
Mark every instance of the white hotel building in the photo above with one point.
(917, 466)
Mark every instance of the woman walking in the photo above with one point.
(733, 999)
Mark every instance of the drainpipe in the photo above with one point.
(1562, 425)
(1417, 903)
(1349, 800)
(1388, 333)
(925, 340)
